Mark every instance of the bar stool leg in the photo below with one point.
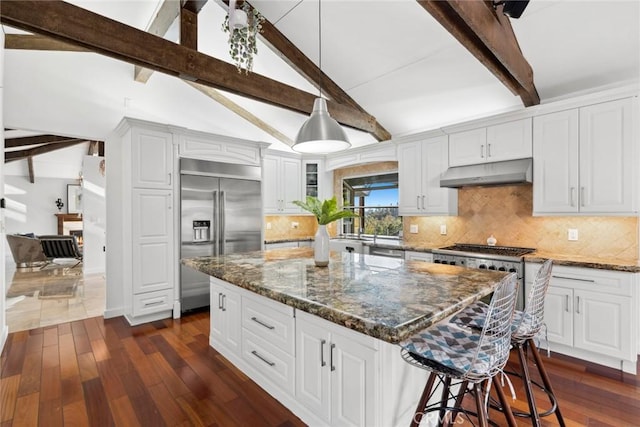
(535, 417)
(545, 379)
(506, 408)
(424, 399)
(482, 412)
(443, 400)
(454, 413)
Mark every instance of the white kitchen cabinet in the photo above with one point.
(335, 372)
(153, 240)
(418, 256)
(225, 318)
(152, 158)
(584, 161)
(592, 314)
(505, 141)
(420, 165)
(282, 184)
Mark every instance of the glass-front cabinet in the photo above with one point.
(311, 179)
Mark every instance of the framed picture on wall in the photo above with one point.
(74, 198)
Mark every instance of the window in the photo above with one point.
(374, 199)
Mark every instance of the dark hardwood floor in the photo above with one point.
(103, 372)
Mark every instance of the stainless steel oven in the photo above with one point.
(499, 258)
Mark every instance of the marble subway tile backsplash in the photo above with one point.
(505, 213)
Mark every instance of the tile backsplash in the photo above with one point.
(505, 213)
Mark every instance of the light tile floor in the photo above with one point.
(56, 294)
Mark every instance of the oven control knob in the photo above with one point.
(492, 267)
(452, 263)
(482, 267)
(502, 269)
(512, 270)
(437, 261)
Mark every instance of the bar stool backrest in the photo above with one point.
(532, 318)
(495, 340)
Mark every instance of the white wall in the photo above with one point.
(94, 214)
(4, 330)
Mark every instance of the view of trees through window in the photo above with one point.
(375, 200)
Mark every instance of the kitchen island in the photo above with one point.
(322, 340)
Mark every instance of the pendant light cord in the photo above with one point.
(320, 46)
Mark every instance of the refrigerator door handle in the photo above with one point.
(223, 200)
(215, 224)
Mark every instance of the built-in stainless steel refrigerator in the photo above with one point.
(221, 213)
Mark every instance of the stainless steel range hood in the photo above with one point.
(496, 173)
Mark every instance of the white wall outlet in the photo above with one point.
(268, 226)
(294, 224)
(413, 229)
(572, 234)
(443, 229)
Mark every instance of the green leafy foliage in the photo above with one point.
(242, 42)
(326, 211)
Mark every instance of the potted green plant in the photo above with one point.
(326, 212)
(242, 39)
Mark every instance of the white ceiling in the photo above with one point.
(392, 57)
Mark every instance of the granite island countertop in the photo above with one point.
(386, 298)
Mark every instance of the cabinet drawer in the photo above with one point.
(152, 302)
(270, 320)
(589, 279)
(268, 360)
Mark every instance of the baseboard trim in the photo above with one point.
(3, 338)
(113, 312)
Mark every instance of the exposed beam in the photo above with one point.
(10, 156)
(261, 124)
(488, 35)
(188, 28)
(96, 148)
(33, 140)
(32, 176)
(73, 24)
(37, 42)
(194, 6)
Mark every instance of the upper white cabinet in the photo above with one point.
(506, 141)
(420, 165)
(282, 184)
(316, 181)
(585, 160)
(152, 158)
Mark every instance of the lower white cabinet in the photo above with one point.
(225, 317)
(335, 373)
(592, 314)
(418, 256)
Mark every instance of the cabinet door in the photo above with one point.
(607, 158)
(555, 163)
(468, 148)
(509, 141)
(270, 183)
(216, 320)
(435, 158)
(291, 184)
(602, 324)
(226, 317)
(152, 158)
(152, 240)
(352, 382)
(312, 366)
(558, 315)
(409, 178)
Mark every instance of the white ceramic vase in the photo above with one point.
(321, 247)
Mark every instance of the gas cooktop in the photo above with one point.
(486, 250)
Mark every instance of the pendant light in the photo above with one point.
(320, 134)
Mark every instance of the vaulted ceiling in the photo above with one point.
(398, 66)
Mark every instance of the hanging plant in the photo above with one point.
(242, 41)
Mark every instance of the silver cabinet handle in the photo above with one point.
(423, 201)
(573, 278)
(417, 202)
(219, 300)
(223, 298)
(482, 151)
(268, 362)
(488, 150)
(259, 322)
(169, 178)
(578, 304)
(152, 303)
(333, 368)
(572, 195)
(582, 196)
(567, 303)
(322, 362)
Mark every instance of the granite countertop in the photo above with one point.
(585, 262)
(296, 239)
(386, 298)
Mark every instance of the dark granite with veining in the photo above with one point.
(386, 298)
(585, 262)
(300, 239)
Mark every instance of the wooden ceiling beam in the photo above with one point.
(72, 24)
(37, 42)
(32, 176)
(488, 35)
(10, 156)
(167, 13)
(188, 28)
(34, 140)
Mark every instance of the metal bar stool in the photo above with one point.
(470, 356)
(525, 326)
